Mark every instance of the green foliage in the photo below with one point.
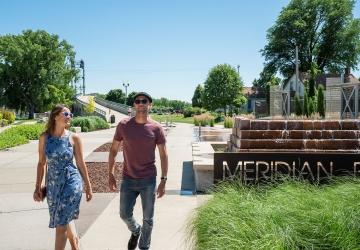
(90, 107)
(306, 105)
(3, 123)
(325, 31)
(204, 120)
(36, 70)
(116, 95)
(21, 134)
(321, 101)
(8, 115)
(228, 122)
(191, 111)
(130, 99)
(31, 132)
(312, 106)
(291, 215)
(313, 73)
(89, 123)
(298, 106)
(222, 87)
(166, 105)
(197, 100)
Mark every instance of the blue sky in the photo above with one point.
(163, 47)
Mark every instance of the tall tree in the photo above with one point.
(115, 95)
(325, 31)
(36, 70)
(321, 101)
(130, 98)
(198, 96)
(222, 88)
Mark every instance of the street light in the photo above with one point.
(126, 85)
(238, 67)
(82, 66)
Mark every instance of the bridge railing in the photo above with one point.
(98, 111)
(122, 108)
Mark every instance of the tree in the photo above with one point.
(36, 70)
(90, 107)
(198, 96)
(222, 87)
(130, 98)
(115, 95)
(312, 107)
(298, 108)
(321, 101)
(306, 105)
(313, 73)
(325, 32)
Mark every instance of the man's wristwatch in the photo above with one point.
(163, 178)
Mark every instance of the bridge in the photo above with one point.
(105, 108)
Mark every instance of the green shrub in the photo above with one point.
(228, 122)
(8, 115)
(10, 139)
(89, 123)
(31, 132)
(321, 101)
(1, 115)
(3, 123)
(191, 111)
(291, 215)
(21, 134)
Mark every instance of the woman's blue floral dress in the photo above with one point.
(64, 184)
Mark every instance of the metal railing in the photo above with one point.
(122, 108)
(98, 111)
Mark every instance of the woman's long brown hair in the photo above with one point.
(50, 126)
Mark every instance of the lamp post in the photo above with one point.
(238, 67)
(82, 66)
(126, 85)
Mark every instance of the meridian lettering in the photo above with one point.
(255, 170)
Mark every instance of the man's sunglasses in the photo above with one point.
(67, 114)
(142, 101)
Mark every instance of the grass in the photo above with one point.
(291, 215)
(173, 117)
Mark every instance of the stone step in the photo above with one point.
(294, 144)
(247, 124)
(297, 134)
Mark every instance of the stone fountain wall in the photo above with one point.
(294, 135)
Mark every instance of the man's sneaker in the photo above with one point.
(134, 240)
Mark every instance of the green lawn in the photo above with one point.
(291, 215)
(172, 118)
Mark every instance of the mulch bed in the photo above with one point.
(99, 177)
(105, 148)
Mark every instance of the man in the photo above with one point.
(139, 135)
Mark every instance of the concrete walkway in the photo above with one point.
(25, 223)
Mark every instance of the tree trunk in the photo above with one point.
(31, 110)
(225, 110)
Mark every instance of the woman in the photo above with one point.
(64, 185)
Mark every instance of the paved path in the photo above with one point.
(24, 222)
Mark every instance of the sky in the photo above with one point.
(163, 47)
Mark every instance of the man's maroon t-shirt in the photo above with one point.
(139, 143)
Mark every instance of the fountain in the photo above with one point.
(311, 149)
